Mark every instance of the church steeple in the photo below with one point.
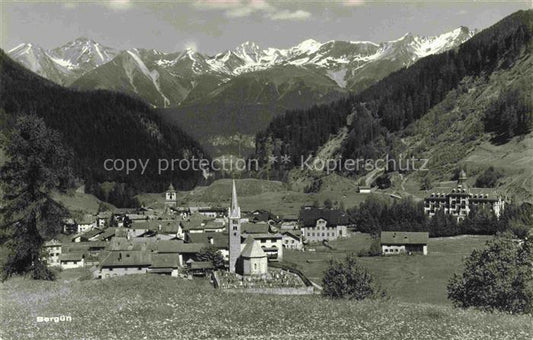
(235, 210)
(170, 196)
(234, 230)
(461, 181)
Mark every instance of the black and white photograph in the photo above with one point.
(266, 169)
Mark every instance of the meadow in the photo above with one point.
(415, 279)
(273, 196)
(155, 307)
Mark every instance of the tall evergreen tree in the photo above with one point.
(37, 164)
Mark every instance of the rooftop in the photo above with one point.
(165, 260)
(404, 237)
(334, 217)
(127, 258)
(252, 249)
(255, 228)
(71, 256)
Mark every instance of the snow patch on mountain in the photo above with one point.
(152, 75)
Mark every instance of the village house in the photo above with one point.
(248, 228)
(72, 260)
(165, 264)
(91, 250)
(269, 241)
(364, 189)
(185, 251)
(219, 240)
(289, 222)
(52, 249)
(90, 235)
(103, 218)
(199, 268)
(211, 212)
(69, 226)
(271, 244)
(461, 200)
(106, 235)
(166, 229)
(319, 224)
(199, 224)
(260, 215)
(86, 223)
(401, 242)
(292, 239)
(124, 262)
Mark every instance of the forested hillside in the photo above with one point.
(374, 115)
(99, 125)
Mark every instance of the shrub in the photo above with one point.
(489, 178)
(498, 277)
(213, 255)
(348, 280)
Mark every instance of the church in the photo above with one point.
(170, 196)
(246, 258)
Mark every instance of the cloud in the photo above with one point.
(191, 45)
(216, 4)
(118, 4)
(353, 3)
(288, 15)
(245, 8)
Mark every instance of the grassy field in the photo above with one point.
(262, 194)
(153, 307)
(416, 279)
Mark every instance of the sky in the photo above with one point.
(212, 26)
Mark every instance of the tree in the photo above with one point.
(498, 277)
(489, 178)
(213, 255)
(37, 164)
(348, 280)
(426, 183)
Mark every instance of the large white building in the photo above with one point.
(319, 224)
(461, 200)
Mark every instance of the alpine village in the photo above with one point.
(104, 234)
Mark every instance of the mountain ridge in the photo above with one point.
(63, 65)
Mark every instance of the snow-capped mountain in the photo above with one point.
(237, 90)
(171, 79)
(66, 63)
(249, 57)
